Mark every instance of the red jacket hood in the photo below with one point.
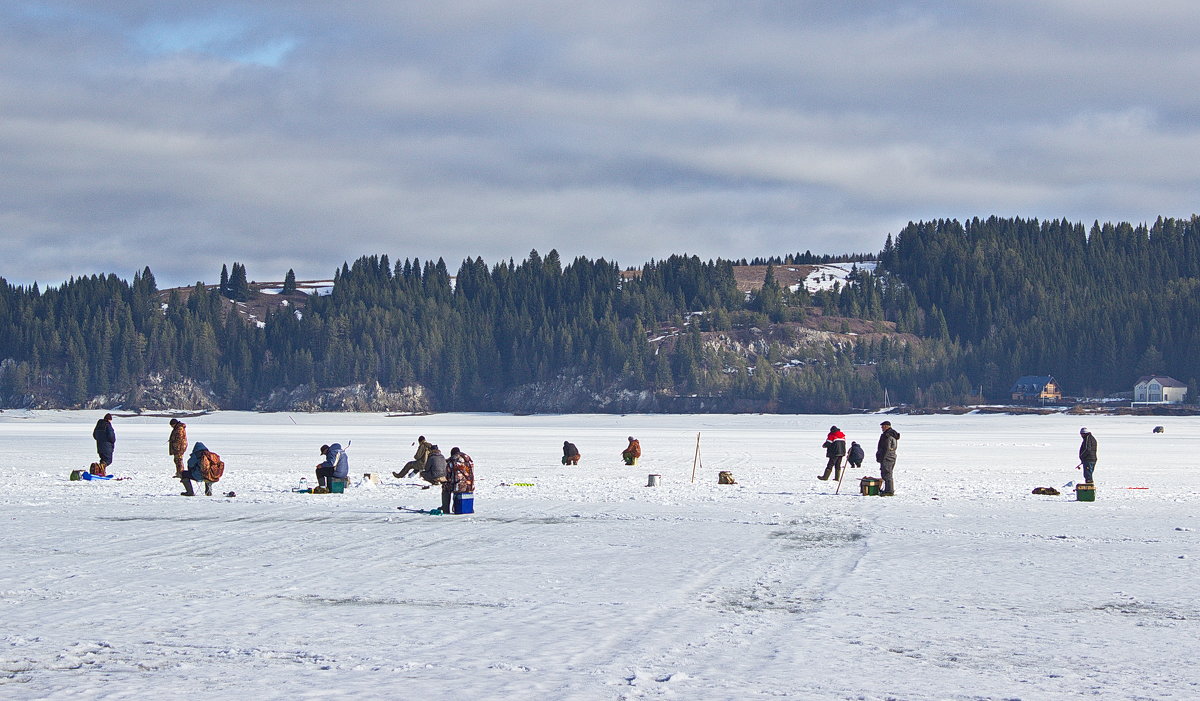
(836, 435)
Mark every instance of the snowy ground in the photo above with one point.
(590, 585)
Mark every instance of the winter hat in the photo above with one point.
(833, 428)
(885, 423)
(174, 422)
(1083, 430)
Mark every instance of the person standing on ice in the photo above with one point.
(835, 450)
(632, 452)
(570, 454)
(417, 464)
(177, 445)
(885, 455)
(106, 440)
(336, 464)
(1087, 454)
(460, 478)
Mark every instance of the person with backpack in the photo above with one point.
(460, 479)
(336, 464)
(106, 441)
(835, 450)
(177, 445)
(885, 455)
(632, 452)
(203, 465)
(570, 454)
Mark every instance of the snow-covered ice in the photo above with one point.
(590, 585)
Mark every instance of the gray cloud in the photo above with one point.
(301, 134)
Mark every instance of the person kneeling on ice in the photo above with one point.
(336, 464)
(435, 467)
(570, 454)
(856, 455)
(632, 452)
(460, 479)
(203, 465)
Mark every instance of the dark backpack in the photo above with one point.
(211, 467)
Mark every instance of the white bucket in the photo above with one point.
(654, 480)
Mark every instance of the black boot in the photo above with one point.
(824, 476)
(187, 486)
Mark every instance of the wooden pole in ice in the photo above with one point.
(696, 459)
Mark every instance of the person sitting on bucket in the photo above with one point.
(414, 466)
(632, 452)
(435, 467)
(336, 464)
(570, 454)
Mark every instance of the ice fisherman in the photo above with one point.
(885, 455)
(106, 441)
(336, 464)
(632, 452)
(417, 464)
(460, 478)
(201, 460)
(435, 467)
(856, 455)
(570, 454)
(1087, 454)
(177, 445)
(835, 450)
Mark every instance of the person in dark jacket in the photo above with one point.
(193, 473)
(1087, 454)
(885, 455)
(177, 445)
(435, 467)
(856, 455)
(336, 464)
(835, 450)
(106, 440)
(570, 454)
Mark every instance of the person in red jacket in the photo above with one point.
(835, 450)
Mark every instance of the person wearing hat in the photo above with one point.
(414, 466)
(885, 455)
(835, 450)
(1087, 454)
(177, 445)
(106, 441)
(632, 452)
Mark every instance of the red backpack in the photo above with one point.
(211, 467)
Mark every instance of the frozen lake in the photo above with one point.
(590, 585)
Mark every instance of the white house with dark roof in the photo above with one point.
(1159, 389)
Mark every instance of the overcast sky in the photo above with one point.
(184, 135)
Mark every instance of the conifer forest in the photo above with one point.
(953, 313)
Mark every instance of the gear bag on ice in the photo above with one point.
(211, 467)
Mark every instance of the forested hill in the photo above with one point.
(1095, 307)
(951, 308)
